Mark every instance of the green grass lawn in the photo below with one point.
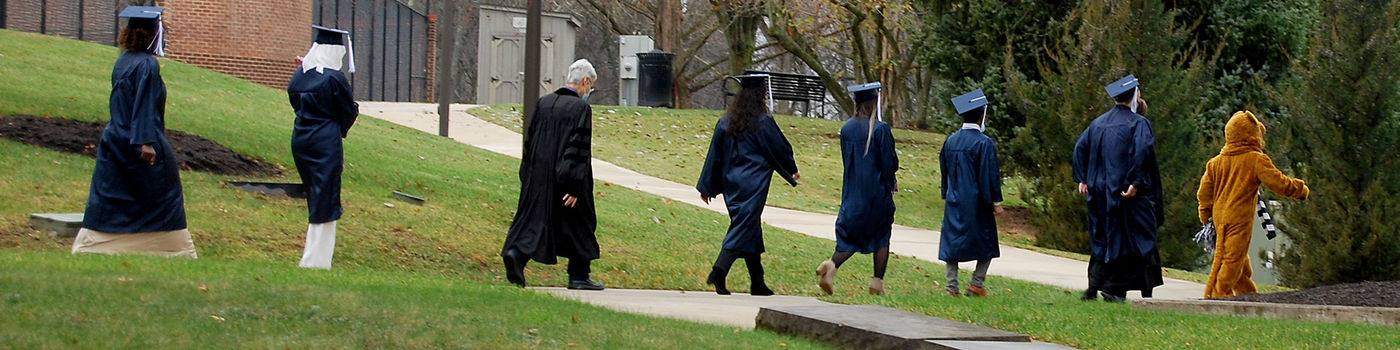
(136, 302)
(451, 243)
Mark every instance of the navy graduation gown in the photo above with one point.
(1117, 150)
(325, 109)
(867, 187)
(556, 160)
(128, 194)
(971, 189)
(740, 167)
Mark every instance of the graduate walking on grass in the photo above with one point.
(555, 216)
(867, 191)
(1229, 195)
(972, 195)
(326, 109)
(1115, 164)
(746, 149)
(136, 202)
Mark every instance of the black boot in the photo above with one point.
(756, 285)
(1089, 295)
(1121, 298)
(716, 278)
(515, 266)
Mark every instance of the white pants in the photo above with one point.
(320, 246)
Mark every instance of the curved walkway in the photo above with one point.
(919, 243)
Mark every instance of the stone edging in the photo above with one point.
(1326, 313)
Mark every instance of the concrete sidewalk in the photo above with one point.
(1015, 263)
(702, 306)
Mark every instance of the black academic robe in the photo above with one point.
(1117, 150)
(128, 194)
(867, 187)
(557, 160)
(740, 167)
(325, 109)
(971, 188)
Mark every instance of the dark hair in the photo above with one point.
(1125, 97)
(137, 38)
(973, 116)
(749, 104)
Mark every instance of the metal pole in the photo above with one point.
(532, 62)
(446, 64)
(44, 19)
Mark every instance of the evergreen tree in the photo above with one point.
(1345, 121)
(1102, 41)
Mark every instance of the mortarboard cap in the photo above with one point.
(329, 36)
(969, 101)
(865, 92)
(147, 16)
(1121, 86)
(752, 80)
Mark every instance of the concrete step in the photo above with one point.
(879, 327)
(59, 225)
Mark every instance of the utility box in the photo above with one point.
(629, 67)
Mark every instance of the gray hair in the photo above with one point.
(579, 70)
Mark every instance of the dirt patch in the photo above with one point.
(72, 136)
(1375, 294)
(1016, 221)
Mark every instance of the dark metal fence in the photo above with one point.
(87, 20)
(391, 46)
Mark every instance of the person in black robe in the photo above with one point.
(867, 193)
(746, 149)
(326, 109)
(556, 215)
(136, 202)
(971, 190)
(1115, 164)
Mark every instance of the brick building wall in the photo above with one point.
(257, 40)
(89, 20)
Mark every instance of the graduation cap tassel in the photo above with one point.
(350, 44)
(879, 115)
(158, 45)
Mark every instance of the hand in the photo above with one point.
(797, 176)
(570, 200)
(706, 199)
(148, 153)
(1130, 193)
(997, 210)
(300, 60)
(1083, 188)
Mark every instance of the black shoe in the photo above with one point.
(515, 268)
(1089, 295)
(1114, 298)
(717, 279)
(588, 284)
(760, 290)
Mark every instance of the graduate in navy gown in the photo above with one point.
(867, 191)
(1115, 164)
(971, 195)
(136, 203)
(746, 149)
(326, 109)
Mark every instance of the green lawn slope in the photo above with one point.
(396, 265)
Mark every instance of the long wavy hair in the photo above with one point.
(137, 38)
(749, 104)
(867, 110)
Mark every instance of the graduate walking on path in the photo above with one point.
(1228, 196)
(867, 192)
(136, 202)
(746, 149)
(1115, 164)
(555, 216)
(326, 109)
(972, 195)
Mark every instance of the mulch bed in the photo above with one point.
(1374, 294)
(72, 136)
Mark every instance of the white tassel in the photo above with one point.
(350, 44)
(159, 43)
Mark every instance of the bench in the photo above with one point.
(789, 87)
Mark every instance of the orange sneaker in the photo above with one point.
(978, 291)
